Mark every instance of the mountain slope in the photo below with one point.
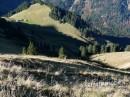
(39, 14)
(110, 17)
(34, 24)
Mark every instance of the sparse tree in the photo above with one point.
(62, 53)
(107, 48)
(83, 52)
(102, 50)
(94, 50)
(90, 47)
(31, 50)
(127, 48)
(24, 51)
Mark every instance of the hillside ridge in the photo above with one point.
(39, 14)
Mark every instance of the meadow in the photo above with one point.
(120, 60)
(41, 76)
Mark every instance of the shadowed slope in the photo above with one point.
(19, 34)
(39, 14)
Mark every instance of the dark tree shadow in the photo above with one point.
(122, 41)
(46, 38)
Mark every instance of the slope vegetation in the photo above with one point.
(110, 17)
(39, 14)
(34, 24)
(39, 76)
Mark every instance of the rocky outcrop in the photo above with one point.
(105, 14)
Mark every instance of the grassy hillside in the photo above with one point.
(38, 76)
(47, 35)
(119, 60)
(39, 14)
(34, 24)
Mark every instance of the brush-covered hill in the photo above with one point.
(38, 76)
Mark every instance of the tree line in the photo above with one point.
(84, 51)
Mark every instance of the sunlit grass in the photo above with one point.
(34, 76)
(119, 60)
(39, 14)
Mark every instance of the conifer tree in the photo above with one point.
(127, 48)
(94, 50)
(31, 50)
(62, 53)
(24, 51)
(90, 47)
(83, 52)
(102, 50)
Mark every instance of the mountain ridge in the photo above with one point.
(107, 16)
(110, 17)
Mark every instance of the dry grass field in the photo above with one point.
(41, 76)
(120, 60)
(39, 14)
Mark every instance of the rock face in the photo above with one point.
(104, 13)
(102, 8)
(89, 7)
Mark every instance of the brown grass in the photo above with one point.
(34, 76)
(119, 60)
(39, 14)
